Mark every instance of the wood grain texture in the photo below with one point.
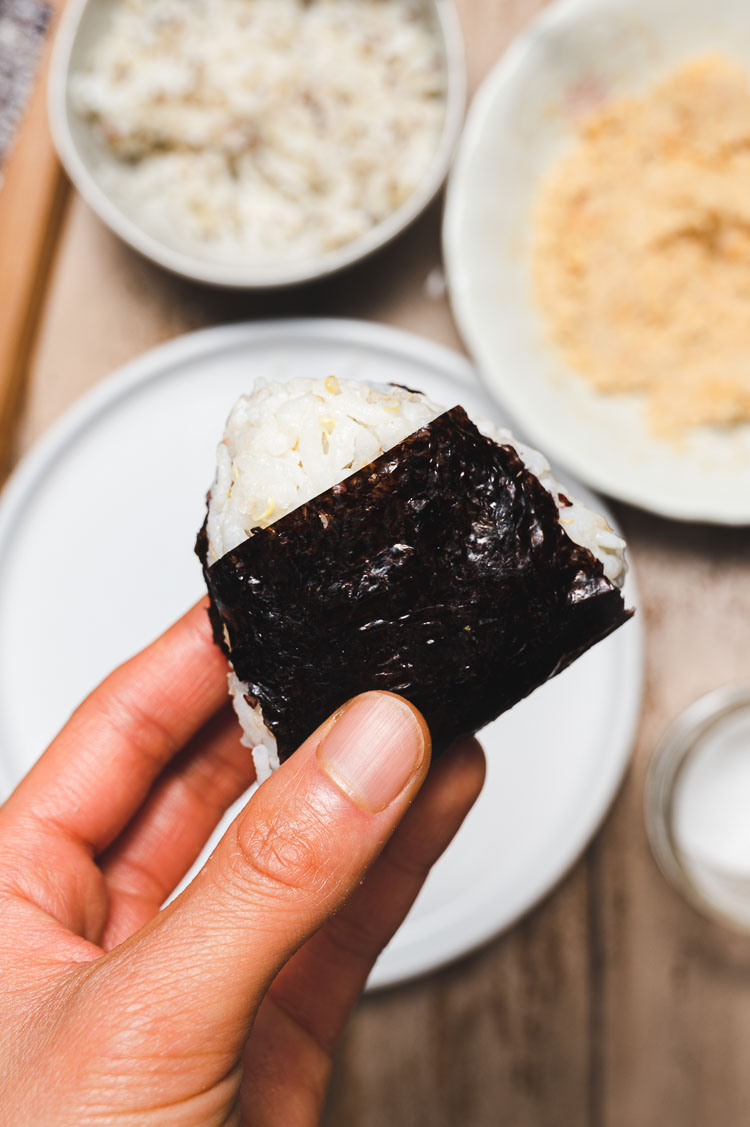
(31, 204)
(676, 988)
(502, 1038)
(613, 1004)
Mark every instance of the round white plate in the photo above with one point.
(96, 557)
(524, 116)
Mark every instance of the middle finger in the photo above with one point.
(149, 859)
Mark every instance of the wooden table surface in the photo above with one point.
(613, 1003)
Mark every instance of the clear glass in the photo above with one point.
(697, 805)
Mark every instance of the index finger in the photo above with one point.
(98, 770)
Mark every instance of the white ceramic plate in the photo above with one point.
(96, 557)
(82, 25)
(521, 120)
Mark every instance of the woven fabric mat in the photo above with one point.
(23, 24)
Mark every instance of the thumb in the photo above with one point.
(298, 849)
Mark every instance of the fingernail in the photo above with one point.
(373, 750)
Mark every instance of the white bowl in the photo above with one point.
(83, 156)
(519, 123)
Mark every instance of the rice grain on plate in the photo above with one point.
(271, 130)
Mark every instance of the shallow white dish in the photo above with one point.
(521, 120)
(80, 590)
(80, 27)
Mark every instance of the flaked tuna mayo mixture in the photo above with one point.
(270, 130)
(641, 257)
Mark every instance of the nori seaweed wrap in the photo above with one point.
(440, 571)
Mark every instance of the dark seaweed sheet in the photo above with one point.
(440, 572)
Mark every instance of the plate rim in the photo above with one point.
(396, 967)
(675, 506)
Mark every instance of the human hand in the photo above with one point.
(225, 1007)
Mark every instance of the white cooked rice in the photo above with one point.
(266, 130)
(288, 442)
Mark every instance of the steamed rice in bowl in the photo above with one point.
(263, 131)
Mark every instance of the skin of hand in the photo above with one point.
(225, 1006)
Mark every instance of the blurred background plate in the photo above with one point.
(525, 115)
(96, 557)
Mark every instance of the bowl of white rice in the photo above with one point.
(257, 143)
